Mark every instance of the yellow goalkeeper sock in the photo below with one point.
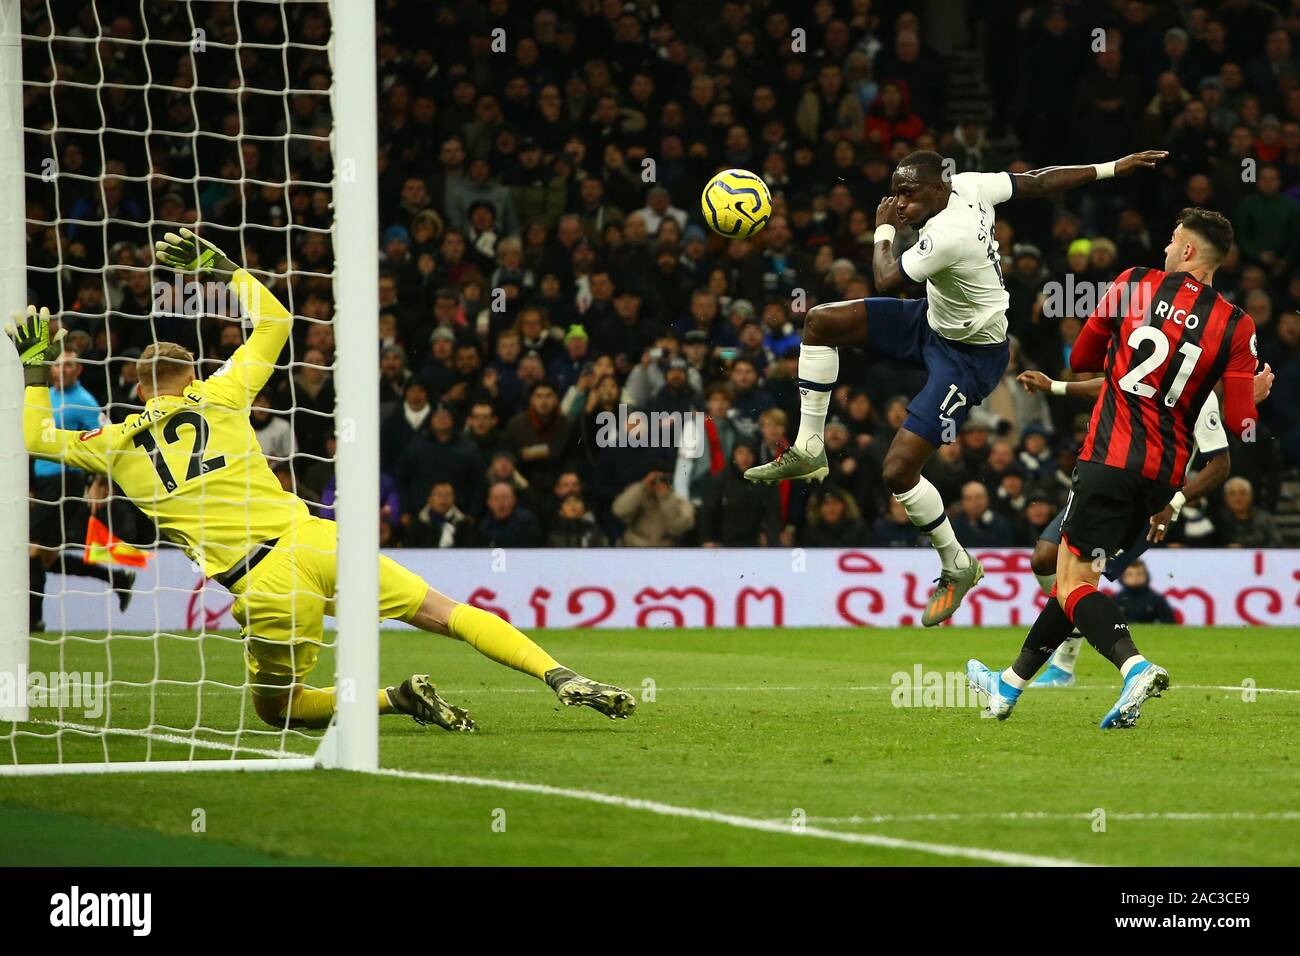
(315, 708)
(312, 708)
(499, 640)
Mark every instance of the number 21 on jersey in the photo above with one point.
(1133, 382)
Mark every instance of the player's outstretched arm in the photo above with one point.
(1035, 381)
(254, 362)
(37, 349)
(1055, 179)
(1215, 473)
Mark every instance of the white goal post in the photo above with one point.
(41, 740)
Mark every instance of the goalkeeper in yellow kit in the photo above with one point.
(191, 462)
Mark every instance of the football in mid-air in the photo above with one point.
(736, 203)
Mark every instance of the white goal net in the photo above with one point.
(138, 117)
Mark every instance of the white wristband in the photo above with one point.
(1058, 388)
(1178, 500)
(885, 233)
(1105, 170)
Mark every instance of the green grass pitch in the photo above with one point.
(774, 747)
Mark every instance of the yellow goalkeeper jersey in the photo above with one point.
(192, 462)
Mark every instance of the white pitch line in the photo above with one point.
(1041, 815)
(856, 688)
(741, 822)
(166, 738)
(783, 688)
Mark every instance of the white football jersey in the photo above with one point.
(957, 257)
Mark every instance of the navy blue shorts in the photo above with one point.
(1116, 565)
(960, 375)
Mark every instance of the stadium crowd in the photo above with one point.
(544, 269)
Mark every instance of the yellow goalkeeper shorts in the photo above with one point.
(282, 602)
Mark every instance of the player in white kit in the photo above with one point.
(958, 333)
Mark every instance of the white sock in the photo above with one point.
(1129, 664)
(924, 508)
(1067, 654)
(1046, 582)
(1014, 679)
(819, 364)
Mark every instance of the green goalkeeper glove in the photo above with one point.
(36, 349)
(188, 253)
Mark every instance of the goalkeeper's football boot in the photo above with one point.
(1001, 696)
(1054, 677)
(947, 595)
(574, 690)
(418, 697)
(792, 464)
(1144, 681)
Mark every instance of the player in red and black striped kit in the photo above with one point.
(1165, 339)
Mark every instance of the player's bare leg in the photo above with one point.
(907, 455)
(1060, 671)
(499, 640)
(1103, 624)
(825, 329)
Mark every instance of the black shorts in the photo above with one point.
(58, 511)
(1107, 509)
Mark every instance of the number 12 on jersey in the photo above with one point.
(198, 465)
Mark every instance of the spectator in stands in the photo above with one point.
(1268, 225)
(568, 484)
(894, 529)
(507, 524)
(891, 118)
(538, 437)
(655, 516)
(834, 522)
(397, 430)
(274, 436)
(1039, 511)
(310, 395)
(705, 451)
(393, 378)
(440, 523)
(436, 453)
(1141, 604)
(1243, 525)
(739, 513)
(748, 397)
(978, 525)
(575, 527)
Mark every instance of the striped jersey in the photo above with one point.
(1169, 340)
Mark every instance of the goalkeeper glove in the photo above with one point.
(189, 253)
(35, 346)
